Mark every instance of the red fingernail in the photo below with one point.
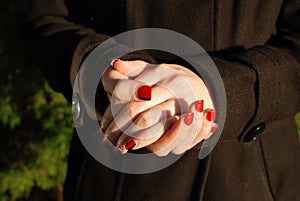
(130, 144)
(214, 128)
(210, 116)
(144, 92)
(188, 119)
(199, 105)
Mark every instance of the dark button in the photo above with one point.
(255, 132)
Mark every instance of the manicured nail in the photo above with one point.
(188, 119)
(210, 116)
(199, 105)
(130, 144)
(144, 92)
(214, 128)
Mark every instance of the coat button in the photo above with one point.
(255, 132)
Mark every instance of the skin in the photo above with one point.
(157, 124)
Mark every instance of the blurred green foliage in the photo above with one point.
(35, 122)
(297, 119)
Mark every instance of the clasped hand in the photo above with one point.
(166, 108)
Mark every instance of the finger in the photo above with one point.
(153, 115)
(124, 94)
(172, 137)
(109, 96)
(195, 127)
(130, 68)
(153, 74)
(213, 129)
(140, 112)
(132, 109)
(167, 83)
(145, 120)
(159, 95)
(107, 118)
(112, 110)
(122, 115)
(134, 90)
(153, 134)
(208, 122)
(147, 73)
(110, 78)
(148, 119)
(121, 110)
(120, 122)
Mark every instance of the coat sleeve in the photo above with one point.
(60, 43)
(263, 83)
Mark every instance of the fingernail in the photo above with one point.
(130, 144)
(214, 128)
(199, 105)
(113, 62)
(210, 116)
(144, 92)
(188, 119)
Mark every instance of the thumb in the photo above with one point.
(129, 68)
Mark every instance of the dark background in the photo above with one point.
(35, 122)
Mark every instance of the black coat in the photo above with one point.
(261, 78)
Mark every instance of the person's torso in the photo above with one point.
(214, 24)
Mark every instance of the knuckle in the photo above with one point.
(156, 70)
(178, 81)
(144, 120)
(132, 109)
(160, 69)
(121, 84)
